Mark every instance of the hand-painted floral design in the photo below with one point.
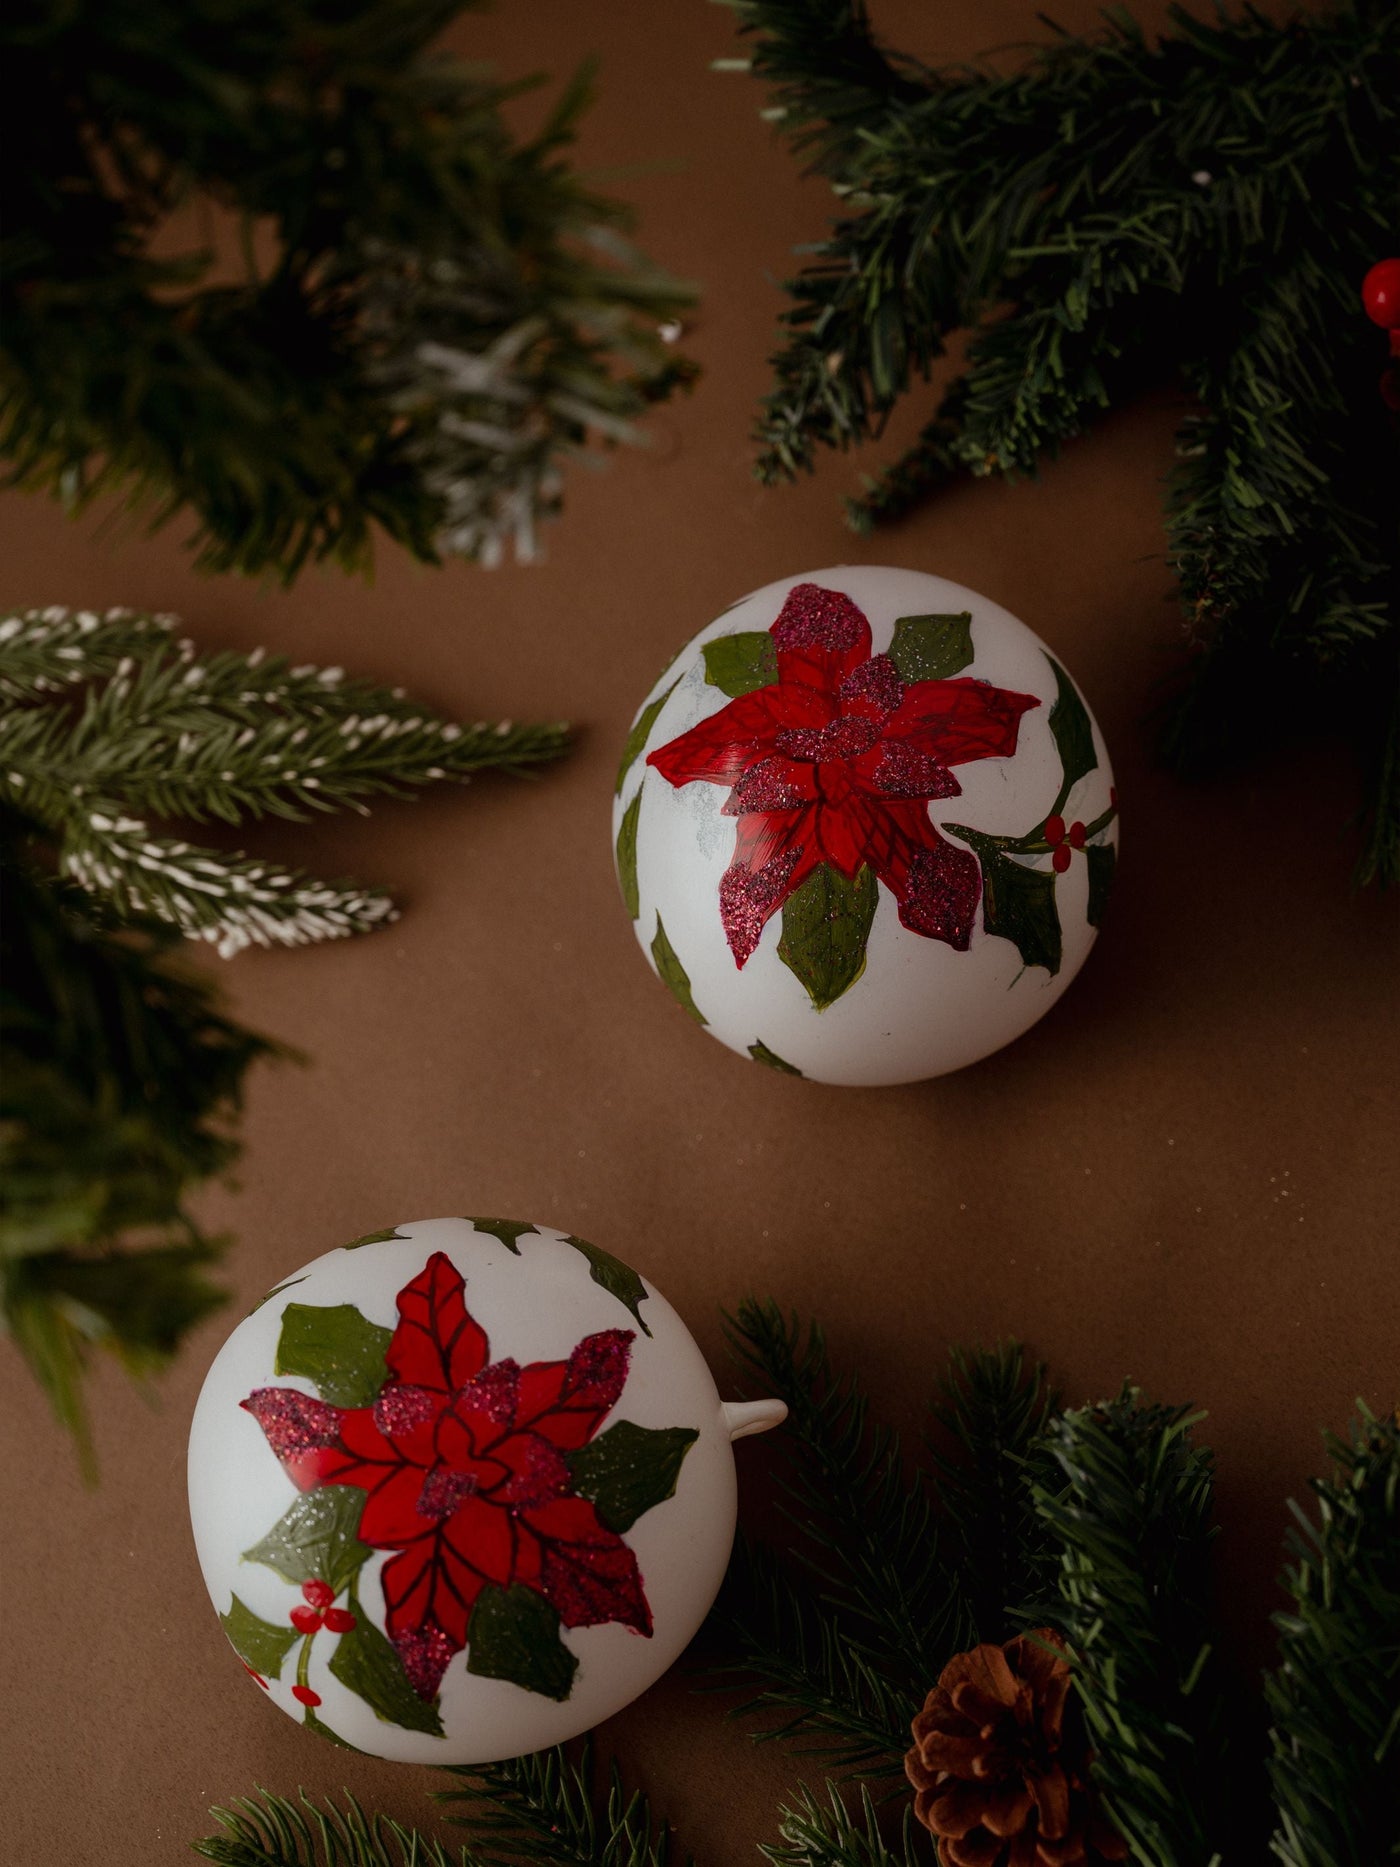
(834, 763)
(487, 1480)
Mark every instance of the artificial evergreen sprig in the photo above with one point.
(1335, 1695)
(111, 720)
(1118, 211)
(551, 1809)
(828, 1832)
(273, 1831)
(420, 316)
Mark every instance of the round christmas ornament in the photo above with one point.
(865, 826)
(462, 1489)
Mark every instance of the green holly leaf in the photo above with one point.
(514, 1634)
(739, 664)
(1018, 904)
(760, 1053)
(673, 975)
(374, 1238)
(826, 925)
(262, 1644)
(337, 1348)
(612, 1275)
(1103, 866)
(315, 1539)
(368, 1665)
(627, 856)
(1074, 736)
(932, 648)
(275, 1292)
(322, 1729)
(637, 738)
(629, 1469)
(507, 1230)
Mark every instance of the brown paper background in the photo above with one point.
(1185, 1174)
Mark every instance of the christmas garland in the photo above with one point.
(1020, 1630)
(120, 1079)
(427, 315)
(1116, 212)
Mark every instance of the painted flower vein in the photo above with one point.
(836, 762)
(463, 1462)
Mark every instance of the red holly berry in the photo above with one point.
(319, 1594)
(340, 1620)
(305, 1696)
(1061, 859)
(1113, 797)
(1054, 831)
(305, 1620)
(1380, 294)
(1076, 835)
(252, 1675)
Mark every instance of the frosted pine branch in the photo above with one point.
(108, 722)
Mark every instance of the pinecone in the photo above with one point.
(1001, 1775)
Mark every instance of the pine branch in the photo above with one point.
(1335, 1696)
(271, 1831)
(118, 720)
(1129, 1510)
(867, 1533)
(543, 1809)
(448, 317)
(996, 1408)
(828, 1834)
(818, 1682)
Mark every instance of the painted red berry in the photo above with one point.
(1076, 835)
(1113, 797)
(252, 1675)
(1380, 294)
(340, 1620)
(1054, 831)
(1061, 859)
(305, 1696)
(319, 1594)
(305, 1620)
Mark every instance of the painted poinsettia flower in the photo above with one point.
(836, 762)
(464, 1466)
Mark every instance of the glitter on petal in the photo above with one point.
(293, 1422)
(425, 1652)
(816, 618)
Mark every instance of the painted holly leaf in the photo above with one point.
(1074, 735)
(276, 1291)
(508, 1231)
(315, 1538)
(1103, 865)
(673, 975)
(738, 664)
(258, 1643)
(365, 1662)
(627, 857)
(515, 1636)
(835, 761)
(322, 1729)
(612, 1275)
(460, 1470)
(637, 738)
(932, 648)
(826, 925)
(770, 1059)
(630, 1469)
(375, 1238)
(335, 1347)
(1018, 904)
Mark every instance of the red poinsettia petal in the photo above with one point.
(402, 1423)
(480, 1414)
(588, 1573)
(774, 853)
(773, 784)
(936, 884)
(956, 721)
(535, 1471)
(437, 1344)
(723, 747)
(566, 1401)
(821, 638)
(391, 1517)
(873, 691)
(304, 1433)
(431, 1586)
(896, 768)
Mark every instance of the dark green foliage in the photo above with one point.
(417, 318)
(546, 1809)
(1120, 211)
(1335, 1696)
(118, 1087)
(817, 1833)
(271, 1831)
(109, 721)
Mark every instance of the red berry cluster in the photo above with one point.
(1380, 297)
(309, 1617)
(1063, 841)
